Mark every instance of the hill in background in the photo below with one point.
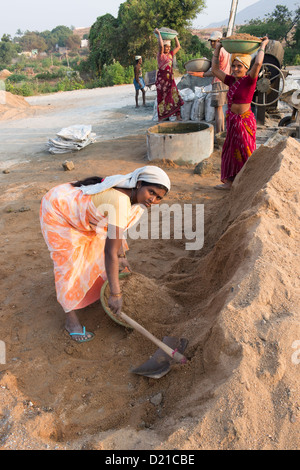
(257, 10)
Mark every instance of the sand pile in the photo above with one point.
(4, 74)
(236, 301)
(15, 107)
(15, 101)
(243, 37)
(242, 300)
(146, 302)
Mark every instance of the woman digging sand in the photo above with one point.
(83, 224)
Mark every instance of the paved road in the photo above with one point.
(111, 112)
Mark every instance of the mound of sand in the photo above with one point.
(14, 101)
(15, 107)
(4, 74)
(236, 301)
(243, 302)
(146, 302)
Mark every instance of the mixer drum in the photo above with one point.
(274, 56)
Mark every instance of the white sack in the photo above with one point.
(198, 109)
(209, 110)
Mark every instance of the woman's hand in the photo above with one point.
(197, 74)
(218, 46)
(123, 264)
(264, 41)
(115, 304)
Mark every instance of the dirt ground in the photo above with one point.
(236, 301)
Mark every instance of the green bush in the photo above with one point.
(17, 77)
(129, 74)
(69, 84)
(25, 89)
(297, 59)
(113, 74)
(51, 75)
(149, 64)
(46, 88)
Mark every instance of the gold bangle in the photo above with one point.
(121, 256)
(116, 295)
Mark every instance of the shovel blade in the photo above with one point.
(160, 363)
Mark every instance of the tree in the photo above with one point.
(32, 40)
(132, 32)
(280, 25)
(102, 42)
(276, 24)
(8, 50)
(73, 42)
(61, 34)
(193, 45)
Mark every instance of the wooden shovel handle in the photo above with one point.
(173, 353)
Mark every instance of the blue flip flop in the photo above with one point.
(84, 333)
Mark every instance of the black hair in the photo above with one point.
(88, 181)
(97, 179)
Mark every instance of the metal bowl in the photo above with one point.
(241, 46)
(198, 65)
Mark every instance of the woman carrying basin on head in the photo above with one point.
(240, 140)
(169, 101)
(84, 225)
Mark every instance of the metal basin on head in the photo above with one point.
(189, 142)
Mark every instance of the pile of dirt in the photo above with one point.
(146, 302)
(4, 74)
(15, 101)
(236, 301)
(243, 37)
(15, 107)
(242, 299)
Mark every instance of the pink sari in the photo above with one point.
(240, 140)
(169, 101)
(75, 233)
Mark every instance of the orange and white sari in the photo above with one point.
(75, 232)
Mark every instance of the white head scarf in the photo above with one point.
(167, 42)
(149, 174)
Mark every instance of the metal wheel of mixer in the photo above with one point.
(269, 76)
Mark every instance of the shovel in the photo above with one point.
(170, 349)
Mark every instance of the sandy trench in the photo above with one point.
(236, 301)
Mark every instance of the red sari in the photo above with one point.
(169, 101)
(240, 140)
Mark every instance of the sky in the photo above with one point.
(37, 15)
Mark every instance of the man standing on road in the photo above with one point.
(138, 81)
(219, 97)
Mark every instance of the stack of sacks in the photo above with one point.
(71, 138)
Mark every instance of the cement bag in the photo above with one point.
(155, 112)
(188, 97)
(187, 94)
(198, 109)
(76, 133)
(185, 110)
(71, 138)
(199, 91)
(209, 110)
